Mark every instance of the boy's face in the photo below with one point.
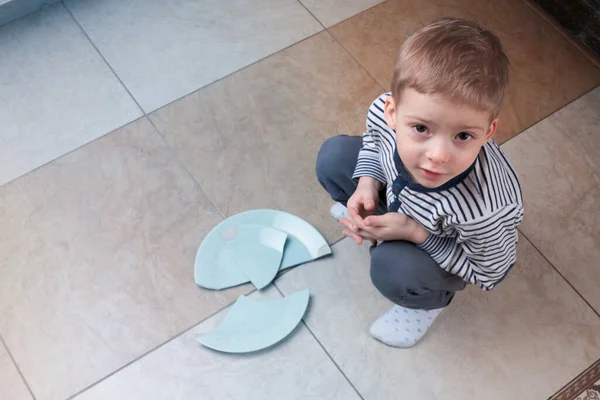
(437, 139)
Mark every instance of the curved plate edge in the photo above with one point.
(302, 307)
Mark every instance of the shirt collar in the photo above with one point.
(405, 178)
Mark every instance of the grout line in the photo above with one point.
(345, 19)
(201, 87)
(103, 58)
(559, 273)
(325, 350)
(546, 16)
(235, 72)
(332, 360)
(17, 367)
(71, 151)
(344, 47)
(549, 114)
(337, 241)
(185, 166)
(358, 62)
(311, 14)
(152, 350)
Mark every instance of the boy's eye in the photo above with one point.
(464, 136)
(420, 129)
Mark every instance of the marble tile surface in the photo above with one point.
(97, 260)
(557, 162)
(579, 121)
(330, 12)
(547, 71)
(56, 92)
(532, 325)
(163, 50)
(296, 368)
(252, 139)
(12, 386)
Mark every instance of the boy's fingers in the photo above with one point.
(352, 231)
(371, 233)
(348, 224)
(374, 221)
(353, 236)
(354, 215)
(369, 206)
(357, 239)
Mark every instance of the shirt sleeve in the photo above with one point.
(369, 161)
(483, 250)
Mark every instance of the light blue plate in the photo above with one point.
(257, 251)
(252, 325)
(215, 268)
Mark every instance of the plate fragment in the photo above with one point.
(252, 325)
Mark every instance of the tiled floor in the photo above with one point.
(13, 386)
(111, 175)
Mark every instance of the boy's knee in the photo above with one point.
(393, 276)
(406, 275)
(329, 157)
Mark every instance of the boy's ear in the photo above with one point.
(389, 112)
(491, 130)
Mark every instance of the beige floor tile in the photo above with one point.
(522, 340)
(97, 266)
(296, 368)
(251, 140)
(557, 162)
(580, 121)
(547, 70)
(163, 50)
(12, 387)
(330, 12)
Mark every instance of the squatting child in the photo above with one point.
(426, 184)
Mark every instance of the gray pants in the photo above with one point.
(400, 270)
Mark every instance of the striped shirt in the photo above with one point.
(472, 219)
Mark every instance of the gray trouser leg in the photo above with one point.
(335, 166)
(400, 270)
(408, 276)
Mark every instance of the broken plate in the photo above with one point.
(257, 251)
(252, 325)
(216, 269)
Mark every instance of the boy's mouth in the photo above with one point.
(432, 175)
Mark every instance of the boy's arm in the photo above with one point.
(368, 163)
(484, 250)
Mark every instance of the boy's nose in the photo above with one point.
(438, 154)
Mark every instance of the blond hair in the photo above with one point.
(454, 58)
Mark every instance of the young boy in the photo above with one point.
(427, 181)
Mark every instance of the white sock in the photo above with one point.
(338, 211)
(403, 327)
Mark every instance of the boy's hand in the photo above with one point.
(362, 204)
(390, 226)
(395, 226)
